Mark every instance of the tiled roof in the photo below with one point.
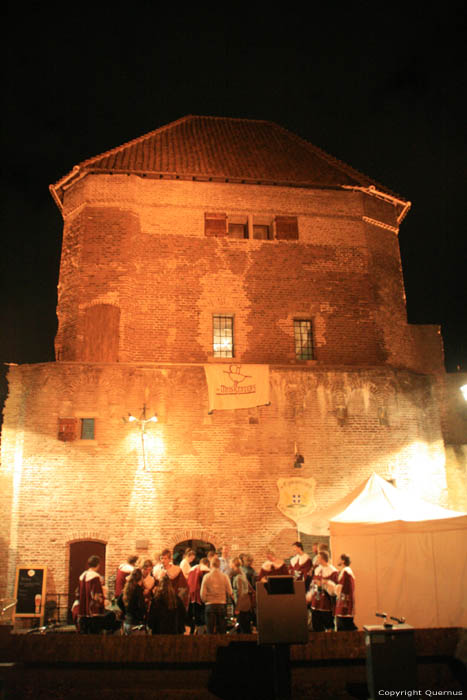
(223, 148)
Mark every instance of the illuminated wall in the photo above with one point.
(206, 475)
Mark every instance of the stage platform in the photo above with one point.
(67, 665)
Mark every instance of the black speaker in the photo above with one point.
(391, 662)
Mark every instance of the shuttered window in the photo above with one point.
(287, 228)
(215, 224)
(67, 429)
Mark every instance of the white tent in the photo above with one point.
(409, 557)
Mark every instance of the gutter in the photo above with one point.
(372, 191)
(53, 188)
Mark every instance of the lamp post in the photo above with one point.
(142, 422)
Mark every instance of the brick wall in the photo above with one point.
(211, 477)
(140, 244)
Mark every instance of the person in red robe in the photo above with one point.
(345, 595)
(273, 566)
(123, 571)
(91, 596)
(195, 579)
(175, 575)
(300, 564)
(93, 617)
(322, 594)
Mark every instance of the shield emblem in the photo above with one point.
(296, 497)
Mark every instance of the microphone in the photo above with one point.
(399, 620)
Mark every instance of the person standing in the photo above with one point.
(248, 570)
(224, 560)
(321, 594)
(167, 614)
(123, 571)
(215, 592)
(91, 608)
(273, 566)
(300, 564)
(148, 580)
(241, 587)
(134, 605)
(175, 574)
(188, 558)
(345, 592)
(196, 608)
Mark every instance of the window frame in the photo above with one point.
(304, 351)
(85, 420)
(218, 337)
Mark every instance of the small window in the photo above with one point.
(215, 224)
(303, 340)
(87, 429)
(287, 228)
(262, 232)
(223, 336)
(238, 230)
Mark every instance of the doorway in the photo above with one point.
(200, 547)
(80, 552)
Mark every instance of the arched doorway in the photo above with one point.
(80, 551)
(200, 547)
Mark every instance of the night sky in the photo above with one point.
(382, 92)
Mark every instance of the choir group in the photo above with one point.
(167, 598)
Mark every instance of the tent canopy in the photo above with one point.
(409, 556)
(379, 503)
(374, 502)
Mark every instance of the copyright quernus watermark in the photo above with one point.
(419, 693)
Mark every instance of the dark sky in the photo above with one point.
(382, 92)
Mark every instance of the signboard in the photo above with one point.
(30, 587)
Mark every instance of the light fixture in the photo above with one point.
(463, 389)
(382, 415)
(142, 422)
(299, 461)
(341, 414)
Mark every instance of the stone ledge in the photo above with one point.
(56, 648)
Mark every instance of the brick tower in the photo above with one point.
(229, 242)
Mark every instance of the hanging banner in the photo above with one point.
(237, 386)
(296, 497)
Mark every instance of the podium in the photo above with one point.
(282, 616)
(391, 662)
(282, 620)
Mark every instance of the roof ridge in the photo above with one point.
(165, 127)
(227, 147)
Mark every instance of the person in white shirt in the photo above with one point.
(216, 590)
(187, 561)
